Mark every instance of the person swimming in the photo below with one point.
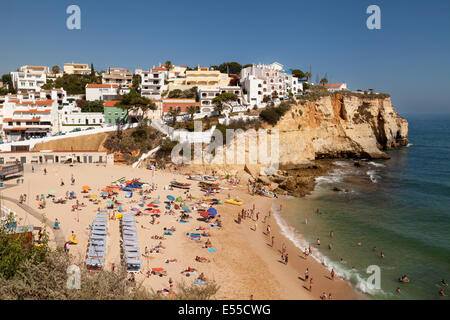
(404, 278)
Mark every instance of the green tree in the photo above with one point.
(168, 65)
(298, 73)
(223, 100)
(134, 103)
(177, 93)
(230, 67)
(323, 81)
(55, 69)
(7, 80)
(90, 106)
(136, 81)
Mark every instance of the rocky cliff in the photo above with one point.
(337, 126)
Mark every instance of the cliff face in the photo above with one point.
(340, 126)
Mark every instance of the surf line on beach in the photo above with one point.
(371, 285)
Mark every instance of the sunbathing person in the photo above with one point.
(201, 259)
(202, 277)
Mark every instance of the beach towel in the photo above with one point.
(183, 221)
(168, 233)
(201, 282)
(211, 250)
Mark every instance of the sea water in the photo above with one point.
(401, 206)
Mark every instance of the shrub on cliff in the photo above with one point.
(272, 115)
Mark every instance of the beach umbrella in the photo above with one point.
(151, 205)
(156, 211)
(86, 188)
(93, 196)
(179, 199)
(212, 211)
(171, 198)
(204, 214)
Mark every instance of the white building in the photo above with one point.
(103, 92)
(28, 118)
(335, 86)
(71, 117)
(120, 76)
(30, 78)
(153, 82)
(206, 96)
(76, 68)
(260, 81)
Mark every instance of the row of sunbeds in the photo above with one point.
(131, 255)
(96, 252)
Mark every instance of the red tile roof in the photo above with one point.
(111, 103)
(94, 85)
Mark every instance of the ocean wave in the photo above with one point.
(344, 164)
(376, 164)
(352, 276)
(328, 179)
(373, 176)
(409, 145)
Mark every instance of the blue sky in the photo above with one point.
(408, 57)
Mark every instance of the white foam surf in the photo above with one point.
(353, 276)
(375, 164)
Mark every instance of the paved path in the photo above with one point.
(59, 236)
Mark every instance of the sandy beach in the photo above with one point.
(243, 265)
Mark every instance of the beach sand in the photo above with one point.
(244, 263)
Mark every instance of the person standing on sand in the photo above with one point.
(310, 284)
(306, 274)
(273, 238)
(332, 274)
(286, 258)
(329, 296)
(45, 171)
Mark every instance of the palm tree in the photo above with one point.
(308, 76)
(174, 113)
(191, 110)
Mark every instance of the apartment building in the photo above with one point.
(71, 117)
(153, 82)
(23, 119)
(206, 96)
(120, 76)
(76, 68)
(30, 78)
(260, 81)
(201, 77)
(105, 92)
(112, 114)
